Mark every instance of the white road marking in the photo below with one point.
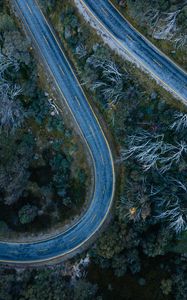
(101, 155)
(46, 39)
(157, 62)
(93, 218)
(105, 11)
(62, 70)
(76, 98)
(129, 37)
(29, 9)
(93, 133)
(73, 239)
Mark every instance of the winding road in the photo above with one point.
(85, 119)
(127, 38)
(155, 62)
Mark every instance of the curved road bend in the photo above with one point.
(140, 49)
(93, 135)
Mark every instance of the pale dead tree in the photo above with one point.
(11, 113)
(172, 154)
(96, 62)
(5, 63)
(175, 216)
(166, 29)
(151, 151)
(113, 93)
(180, 184)
(145, 147)
(177, 183)
(178, 224)
(166, 26)
(180, 122)
(54, 107)
(81, 51)
(85, 82)
(111, 86)
(180, 40)
(97, 85)
(171, 207)
(14, 91)
(152, 17)
(110, 70)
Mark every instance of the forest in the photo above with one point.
(40, 169)
(143, 250)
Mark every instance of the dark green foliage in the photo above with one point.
(60, 167)
(27, 213)
(84, 290)
(16, 154)
(48, 5)
(129, 260)
(47, 284)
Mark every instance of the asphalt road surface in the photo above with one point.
(140, 49)
(155, 62)
(86, 121)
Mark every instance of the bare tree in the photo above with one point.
(180, 40)
(180, 122)
(11, 112)
(175, 215)
(171, 207)
(145, 147)
(5, 63)
(172, 154)
(96, 62)
(111, 86)
(110, 71)
(81, 51)
(152, 151)
(152, 16)
(166, 26)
